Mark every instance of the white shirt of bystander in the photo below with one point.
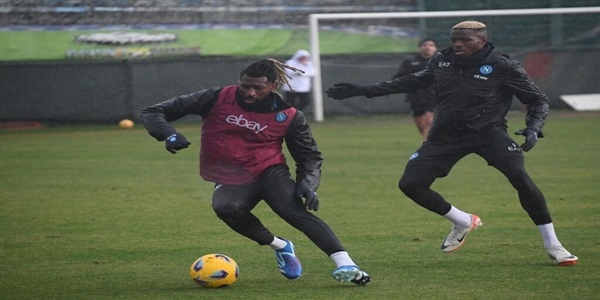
(300, 82)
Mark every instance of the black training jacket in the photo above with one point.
(298, 138)
(474, 94)
(415, 64)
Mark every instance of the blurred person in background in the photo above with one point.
(422, 101)
(475, 84)
(244, 127)
(298, 91)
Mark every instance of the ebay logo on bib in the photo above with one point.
(243, 122)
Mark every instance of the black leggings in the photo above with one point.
(417, 179)
(233, 204)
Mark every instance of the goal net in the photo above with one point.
(557, 46)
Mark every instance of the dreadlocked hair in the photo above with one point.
(272, 69)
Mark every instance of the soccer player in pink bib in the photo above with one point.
(244, 127)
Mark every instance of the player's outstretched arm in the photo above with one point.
(399, 85)
(346, 90)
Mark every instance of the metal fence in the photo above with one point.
(101, 92)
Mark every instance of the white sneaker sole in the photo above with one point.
(345, 275)
(566, 261)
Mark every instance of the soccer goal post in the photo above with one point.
(318, 110)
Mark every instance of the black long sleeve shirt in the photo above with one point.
(474, 94)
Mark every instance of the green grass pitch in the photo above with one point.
(53, 45)
(96, 212)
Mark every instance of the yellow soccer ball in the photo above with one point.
(126, 124)
(214, 270)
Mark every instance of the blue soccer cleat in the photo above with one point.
(351, 274)
(287, 262)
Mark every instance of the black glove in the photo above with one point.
(176, 141)
(345, 90)
(303, 191)
(531, 137)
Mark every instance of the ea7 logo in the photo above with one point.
(444, 64)
(514, 147)
(243, 122)
(480, 77)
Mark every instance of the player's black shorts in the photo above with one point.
(419, 107)
(491, 146)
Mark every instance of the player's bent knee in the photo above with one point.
(409, 187)
(227, 210)
(418, 178)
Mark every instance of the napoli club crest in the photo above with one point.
(486, 69)
(280, 117)
(413, 156)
